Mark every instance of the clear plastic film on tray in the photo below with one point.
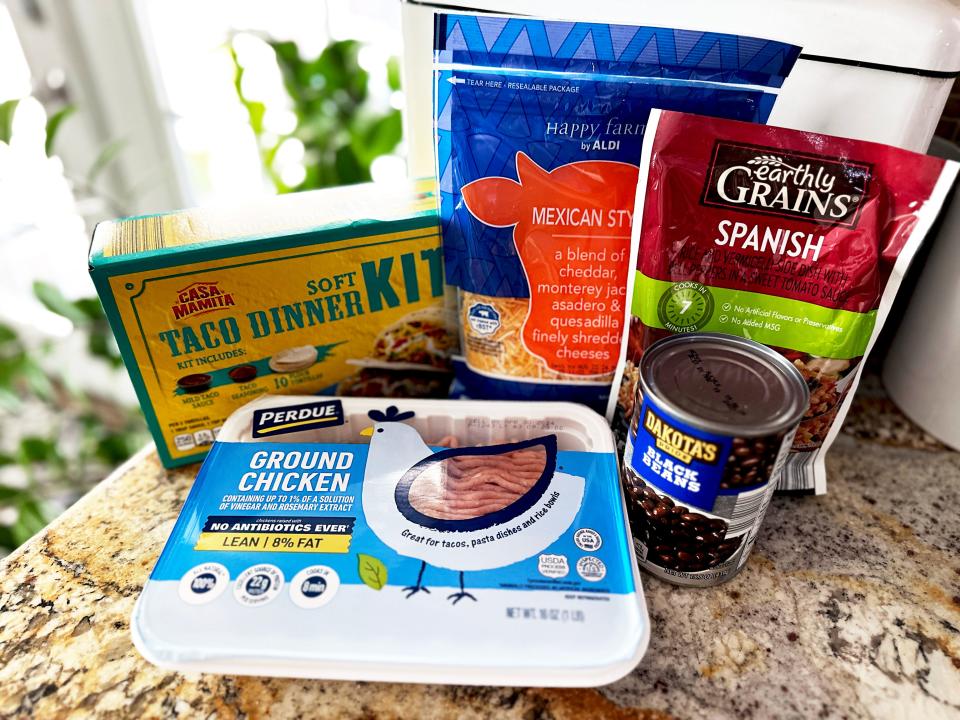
(421, 540)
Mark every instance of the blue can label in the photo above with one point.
(671, 455)
(696, 498)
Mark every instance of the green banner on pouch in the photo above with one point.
(777, 321)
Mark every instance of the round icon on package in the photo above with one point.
(553, 566)
(204, 583)
(587, 539)
(591, 568)
(258, 585)
(483, 318)
(314, 586)
(685, 306)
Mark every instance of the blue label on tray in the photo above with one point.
(276, 502)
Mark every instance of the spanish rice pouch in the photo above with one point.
(539, 130)
(795, 240)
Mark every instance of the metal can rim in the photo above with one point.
(774, 358)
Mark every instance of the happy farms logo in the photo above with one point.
(773, 181)
(200, 298)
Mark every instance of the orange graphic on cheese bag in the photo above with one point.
(572, 234)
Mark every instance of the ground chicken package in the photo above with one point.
(796, 240)
(539, 129)
(339, 291)
(422, 541)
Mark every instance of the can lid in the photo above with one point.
(724, 383)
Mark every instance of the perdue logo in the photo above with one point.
(199, 298)
(686, 448)
(773, 181)
(297, 418)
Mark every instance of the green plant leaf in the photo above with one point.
(54, 301)
(37, 380)
(35, 449)
(372, 571)
(90, 308)
(30, 520)
(114, 448)
(13, 359)
(7, 110)
(379, 137)
(103, 345)
(295, 77)
(348, 167)
(7, 541)
(108, 153)
(53, 125)
(9, 401)
(393, 73)
(255, 110)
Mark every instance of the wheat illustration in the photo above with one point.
(769, 160)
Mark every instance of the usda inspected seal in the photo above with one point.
(204, 583)
(258, 585)
(591, 568)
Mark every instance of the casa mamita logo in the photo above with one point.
(199, 298)
(774, 181)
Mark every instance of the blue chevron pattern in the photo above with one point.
(513, 79)
(530, 44)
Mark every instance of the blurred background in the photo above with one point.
(124, 107)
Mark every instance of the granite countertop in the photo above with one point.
(849, 608)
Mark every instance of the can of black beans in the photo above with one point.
(713, 422)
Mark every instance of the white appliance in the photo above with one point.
(871, 69)
(921, 366)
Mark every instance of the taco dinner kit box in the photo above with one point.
(337, 291)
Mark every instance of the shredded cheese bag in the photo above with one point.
(539, 130)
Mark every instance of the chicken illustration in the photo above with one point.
(466, 508)
(567, 223)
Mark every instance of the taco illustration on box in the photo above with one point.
(411, 358)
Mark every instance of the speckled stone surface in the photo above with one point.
(848, 608)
